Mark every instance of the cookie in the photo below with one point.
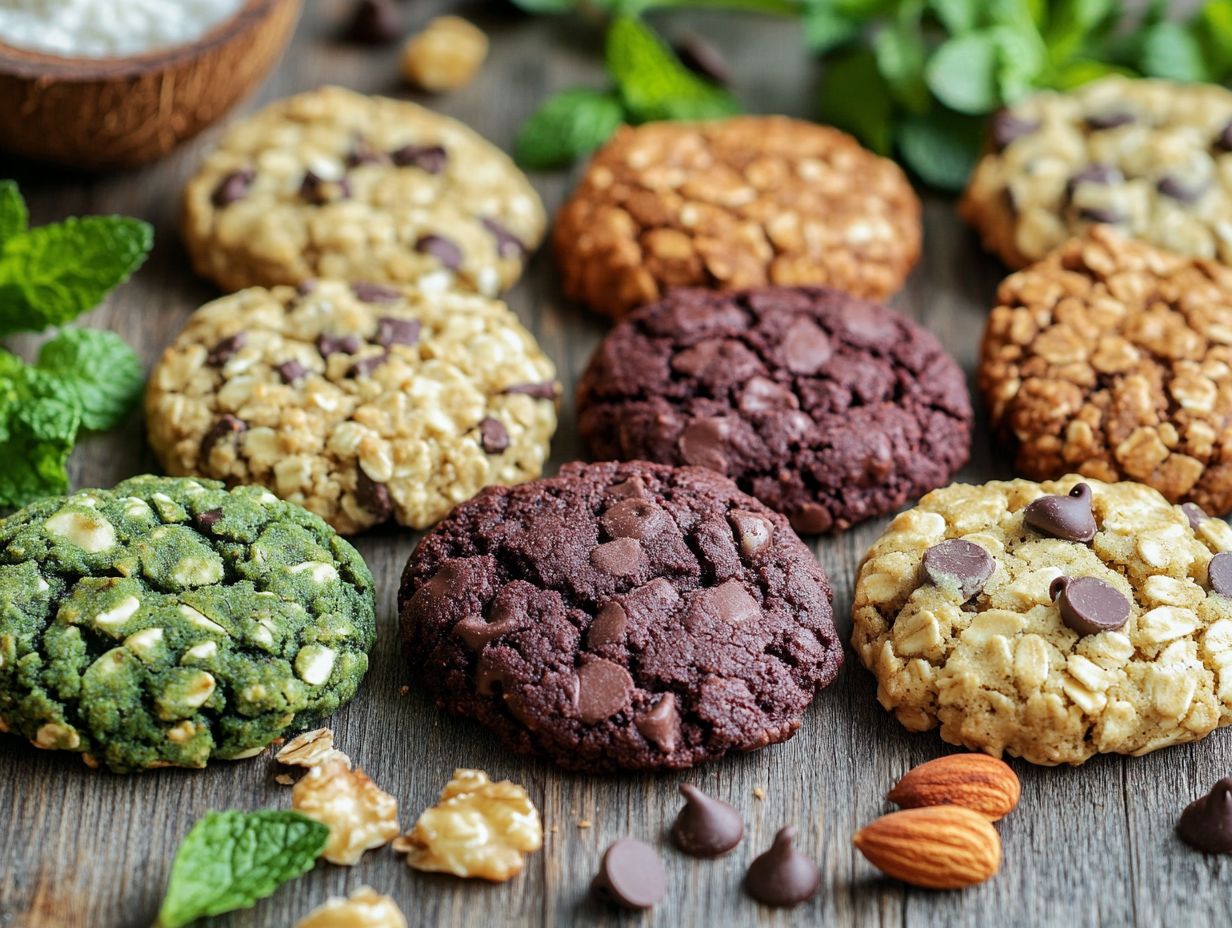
(1151, 157)
(362, 403)
(620, 617)
(1113, 359)
(165, 623)
(332, 183)
(983, 611)
(740, 202)
(826, 407)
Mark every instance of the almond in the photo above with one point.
(974, 781)
(938, 847)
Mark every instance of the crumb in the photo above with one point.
(284, 779)
(759, 793)
(584, 823)
(554, 829)
(403, 690)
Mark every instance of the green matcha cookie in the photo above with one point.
(168, 621)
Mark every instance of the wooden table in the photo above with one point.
(1088, 846)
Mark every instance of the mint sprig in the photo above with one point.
(230, 860)
(38, 426)
(99, 369)
(569, 125)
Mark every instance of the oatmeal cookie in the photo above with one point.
(1151, 157)
(736, 203)
(1113, 359)
(1051, 621)
(169, 622)
(332, 183)
(620, 617)
(359, 402)
(829, 408)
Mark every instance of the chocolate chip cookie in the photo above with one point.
(734, 203)
(360, 402)
(1051, 621)
(826, 407)
(332, 183)
(1113, 359)
(169, 622)
(1151, 157)
(620, 617)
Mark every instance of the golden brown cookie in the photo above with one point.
(736, 203)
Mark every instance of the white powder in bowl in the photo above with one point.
(108, 28)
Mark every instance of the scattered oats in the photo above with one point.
(359, 814)
(759, 793)
(310, 749)
(284, 779)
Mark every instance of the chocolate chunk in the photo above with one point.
(702, 443)
(604, 688)
(223, 428)
(635, 518)
(490, 678)
(221, 353)
(634, 486)
(958, 564)
(291, 371)
(617, 558)
(365, 366)
(1223, 141)
(493, 435)
(811, 519)
(1103, 214)
(706, 827)
(205, 521)
(1219, 573)
(362, 153)
(631, 875)
(477, 631)
(703, 58)
(782, 876)
(753, 531)
(233, 187)
(539, 391)
(1088, 605)
(441, 248)
(372, 496)
(392, 331)
(1008, 128)
(1111, 120)
(1206, 823)
(1095, 173)
(762, 395)
(806, 347)
(608, 626)
(1177, 189)
(508, 245)
(1066, 517)
(375, 293)
(374, 22)
(319, 191)
(429, 158)
(338, 344)
(1195, 514)
(661, 725)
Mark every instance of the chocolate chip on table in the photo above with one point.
(225, 350)
(604, 688)
(1066, 517)
(369, 292)
(1113, 120)
(958, 564)
(1177, 189)
(393, 331)
(225, 427)
(233, 187)
(374, 22)
(1195, 514)
(430, 158)
(291, 371)
(782, 876)
(441, 248)
(1089, 605)
(365, 366)
(703, 58)
(508, 245)
(539, 391)
(493, 435)
(338, 344)
(1206, 823)
(1219, 573)
(1008, 128)
(373, 496)
(630, 875)
(706, 827)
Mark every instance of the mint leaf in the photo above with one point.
(546, 6)
(1171, 50)
(52, 274)
(1022, 59)
(1070, 24)
(962, 73)
(571, 124)
(100, 368)
(38, 425)
(1215, 23)
(941, 148)
(231, 859)
(855, 97)
(825, 29)
(13, 215)
(899, 48)
(958, 16)
(1084, 70)
(653, 83)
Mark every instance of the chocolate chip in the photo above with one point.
(1223, 141)
(374, 22)
(291, 371)
(782, 876)
(811, 519)
(1107, 215)
(1089, 605)
(1066, 517)
(763, 395)
(338, 344)
(1177, 189)
(727, 604)
(392, 331)
(631, 875)
(753, 531)
(429, 158)
(702, 443)
(706, 827)
(634, 486)
(1112, 120)
(362, 153)
(369, 292)
(1219, 573)
(1008, 128)
(539, 391)
(477, 631)
(508, 245)
(372, 496)
(493, 435)
(225, 427)
(205, 521)
(221, 353)
(617, 558)
(661, 725)
(365, 366)
(608, 626)
(635, 518)
(489, 678)
(703, 58)
(958, 564)
(604, 688)
(233, 187)
(319, 191)
(441, 248)
(305, 287)
(1195, 514)
(806, 347)
(1093, 174)
(1206, 823)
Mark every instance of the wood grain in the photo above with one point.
(1089, 846)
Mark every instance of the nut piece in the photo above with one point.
(939, 847)
(310, 749)
(366, 908)
(360, 815)
(477, 829)
(446, 55)
(977, 782)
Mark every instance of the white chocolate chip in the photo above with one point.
(199, 620)
(124, 610)
(314, 664)
(319, 570)
(90, 532)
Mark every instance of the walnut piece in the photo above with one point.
(360, 815)
(477, 829)
(446, 55)
(310, 749)
(366, 908)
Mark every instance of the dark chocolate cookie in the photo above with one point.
(620, 616)
(829, 408)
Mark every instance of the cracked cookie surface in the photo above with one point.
(359, 402)
(827, 408)
(620, 616)
(735, 203)
(332, 183)
(1003, 671)
(1113, 359)
(166, 622)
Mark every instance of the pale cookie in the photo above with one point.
(1152, 157)
(361, 403)
(336, 184)
(1130, 652)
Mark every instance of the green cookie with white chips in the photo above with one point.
(166, 622)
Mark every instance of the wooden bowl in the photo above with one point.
(118, 112)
